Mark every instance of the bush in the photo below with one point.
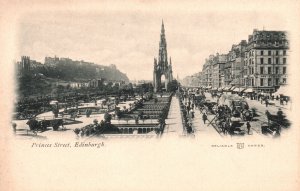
(76, 131)
(253, 109)
(107, 117)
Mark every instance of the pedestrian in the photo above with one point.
(188, 108)
(280, 116)
(267, 102)
(281, 101)
(279, 113)
(268, 114)
(248, 127)
(192, 113)
(204, 117)
(14, 126)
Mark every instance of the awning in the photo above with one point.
(208, 87)
(231, 88)
(283, 90)
(238, 89)
(248, 90)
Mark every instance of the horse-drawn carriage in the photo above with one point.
(270, 128)
(209, 107)
(238, 106)
(275, 124)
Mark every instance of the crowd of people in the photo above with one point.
(223, 113)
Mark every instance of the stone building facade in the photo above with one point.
(259, 64)
(218, 70)
(266, 60)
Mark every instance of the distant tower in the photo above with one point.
(161, 67)
(25, 63)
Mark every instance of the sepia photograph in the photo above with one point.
(150, 95)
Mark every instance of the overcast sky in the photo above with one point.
(129, 38)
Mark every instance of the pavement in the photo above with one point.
(202, 130)
(260, 110)
(174, 126)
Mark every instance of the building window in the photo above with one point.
(284, 52)
(277, 52)
(269, 52)
(284, 70)
(261, 52)
(269, 70)
(277, 60)
(261, 82)
(261, 70)
(277, 70)
(269, 61)
(284, 60)
(252, 70)
(277, 81)
(261, 60)
(252, 82)
(269, 82)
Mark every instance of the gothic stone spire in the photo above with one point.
(163, 55)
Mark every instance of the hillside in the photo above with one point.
(80, 71)
(46, 79)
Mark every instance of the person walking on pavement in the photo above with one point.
(268, 114)
(188, 109)
(280, 116)
(267, 102)
(14, 126)
(248, 127)
(192, 113)
(204, 117)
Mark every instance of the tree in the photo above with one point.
(107, 117)
(172, 86)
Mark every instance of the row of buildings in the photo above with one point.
(26, 65)
(260, 65)
(94, 83)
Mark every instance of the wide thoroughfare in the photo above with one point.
(174, 127)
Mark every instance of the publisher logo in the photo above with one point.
(240, 145)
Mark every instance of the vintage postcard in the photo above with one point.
(149, 95)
